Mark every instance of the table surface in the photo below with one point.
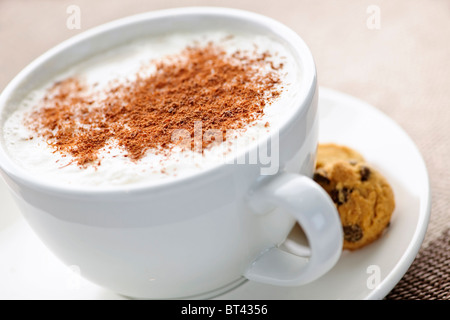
(392, 54)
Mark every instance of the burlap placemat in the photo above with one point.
(392, 54)
(428, 278)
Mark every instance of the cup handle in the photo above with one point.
(317, 215)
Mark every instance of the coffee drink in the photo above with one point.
(152, 109)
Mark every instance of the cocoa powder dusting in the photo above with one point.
(223, 91)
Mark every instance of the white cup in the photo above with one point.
(197, 236)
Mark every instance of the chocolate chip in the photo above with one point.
(352, 233)
(340, 196)
(365, 173)
(320, 177)
(335, 196)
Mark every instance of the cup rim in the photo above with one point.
(304, 96)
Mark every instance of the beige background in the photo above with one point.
(402, 68)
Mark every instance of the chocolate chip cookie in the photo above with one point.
(363, 197)
(330, 152)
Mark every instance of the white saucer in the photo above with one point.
(29, 271)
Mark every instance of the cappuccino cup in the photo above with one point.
(203, 231)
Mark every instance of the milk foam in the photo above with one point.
(122, 64)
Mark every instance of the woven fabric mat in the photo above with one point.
(428, 278)
(392, 54)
